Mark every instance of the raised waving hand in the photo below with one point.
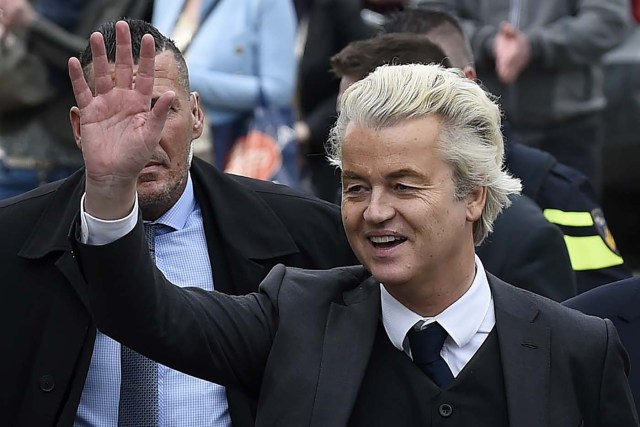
(120, 126)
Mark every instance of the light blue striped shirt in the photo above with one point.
(181, 254)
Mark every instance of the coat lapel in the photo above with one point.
(349, 336)
(245, 220)
(51, 232)
(525, 349)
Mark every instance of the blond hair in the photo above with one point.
(470, 140)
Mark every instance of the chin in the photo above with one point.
(390, 276)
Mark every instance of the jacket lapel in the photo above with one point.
(525, 349)
(245, 220)
(51, 232)
(349, 336)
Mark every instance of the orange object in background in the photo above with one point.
(256, 155)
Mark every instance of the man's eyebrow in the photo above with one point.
(401, 173)
(406, 173)
(350, 175)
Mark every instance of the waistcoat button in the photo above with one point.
(445, 410)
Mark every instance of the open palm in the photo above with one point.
(119, 128)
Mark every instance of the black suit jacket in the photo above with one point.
(303, 342)
(529, 252)
(47, 333)
(619, 302)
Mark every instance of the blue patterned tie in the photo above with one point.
(139, 375)
(425, 350)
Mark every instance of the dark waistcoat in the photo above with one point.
(395, 392)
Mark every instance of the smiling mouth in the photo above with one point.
(385, 242)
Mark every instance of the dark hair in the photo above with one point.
(361, 57)
(419, 21)
(138, 29)
(441, 27)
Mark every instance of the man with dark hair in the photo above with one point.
(212, 230)
(441, 28)
(524, 248)
(564, 194)
(360, 58)
(418, 335)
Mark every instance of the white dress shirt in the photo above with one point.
(182, 255)
(468, 321)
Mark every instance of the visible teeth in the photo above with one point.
(384, 239)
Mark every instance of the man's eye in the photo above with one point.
(353, 189)
(402, 187)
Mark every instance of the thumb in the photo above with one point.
(158, 115)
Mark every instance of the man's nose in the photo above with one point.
(380, 207)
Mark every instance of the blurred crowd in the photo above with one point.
(544, 62)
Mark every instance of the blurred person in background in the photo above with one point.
(237, 51)
(36, 142)
(326, 27)
(542, 58)
(563, 193)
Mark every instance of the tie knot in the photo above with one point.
(427, 343)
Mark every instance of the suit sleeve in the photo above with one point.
(616, 402)
(213, 336)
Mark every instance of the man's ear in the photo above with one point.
(475, 203)
(470, 72)
(74, 117)
(197, 115)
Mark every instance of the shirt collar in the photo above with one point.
(176, 217)
(462, 319)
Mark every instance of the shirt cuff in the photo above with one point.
(98, 232)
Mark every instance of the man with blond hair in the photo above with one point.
(420, 333)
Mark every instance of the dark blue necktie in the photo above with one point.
(139, 375)
(425, 350)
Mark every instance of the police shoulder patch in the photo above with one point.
(603, 229)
